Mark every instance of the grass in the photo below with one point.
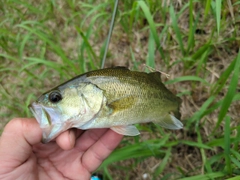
(42, 44)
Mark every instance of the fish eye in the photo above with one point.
(55, 97)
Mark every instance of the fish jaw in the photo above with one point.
(40, 114)
(51, 132)
(49, 120)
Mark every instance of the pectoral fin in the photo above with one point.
(170, 122)
(126, 130)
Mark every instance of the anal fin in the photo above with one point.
(129, 130)
(170, 122)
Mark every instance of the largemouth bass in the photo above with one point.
(115, 98)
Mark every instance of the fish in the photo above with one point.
(115, 98)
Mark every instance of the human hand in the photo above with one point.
(74, 155)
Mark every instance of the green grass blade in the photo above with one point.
(28, 101)
(151, 23)
(55, 47)
(203, 154)
(236, 3)
(176, 29)
(187, 78)
(217, 142)
(207, 8)
(163, 164)
(236, 144)
(218, 14)
(107, 175)
(150, 61)
(93, 58)
(195, 144)
(22, 45)
(135, 64)
(93, 9)
(28, 6)
(205, 176)
(235, 161)
(212, 108)
(231, 92)
(134, 14)
(142, 149)
(50, 64)
(191, 27)
(234, 178)
(202, 61)
(89, 47)
(217, 87)
(9, 57)
(201, 50)
(200, 113)
(227, 145)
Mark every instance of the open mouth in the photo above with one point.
(48, 119)
(41, 115)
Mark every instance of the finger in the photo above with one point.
(66, 140)
(92, 159)
(17, 139)
(88, 138)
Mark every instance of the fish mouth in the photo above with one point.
(41, 115)
(47, 121)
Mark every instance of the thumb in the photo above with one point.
(16, 141)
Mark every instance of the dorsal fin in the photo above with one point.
(156, 75)
(120, 67)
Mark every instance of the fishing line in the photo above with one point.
(109, 33)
